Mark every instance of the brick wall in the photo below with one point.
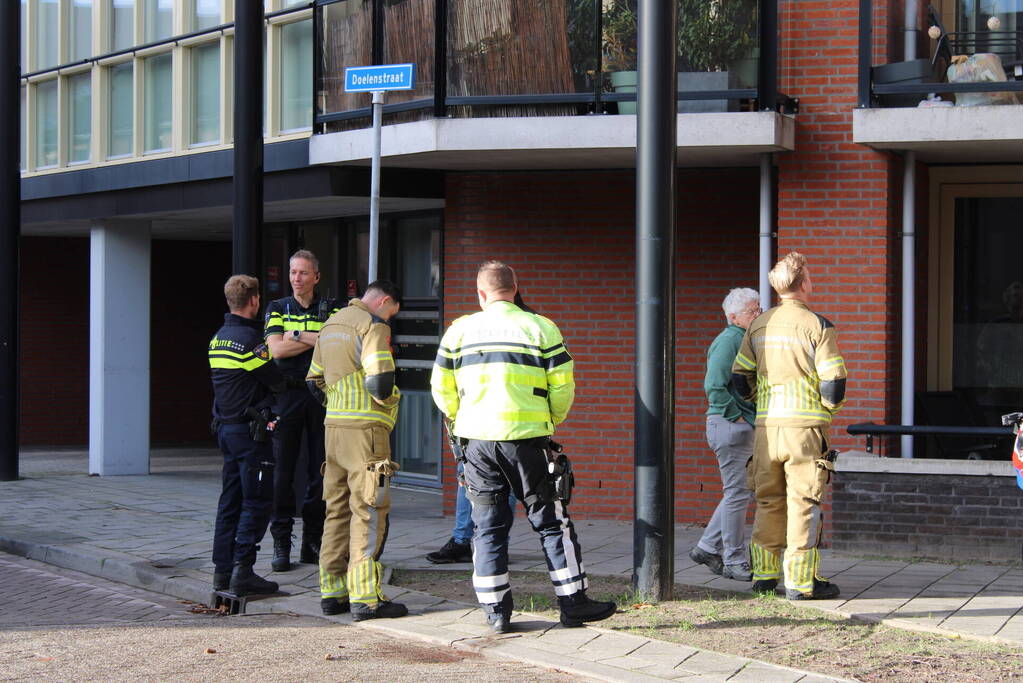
(836, 201)
(54, 338)
(186, 281)
(938, 516)
(572, 244)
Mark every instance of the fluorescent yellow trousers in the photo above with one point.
(789, 475)
(356, 488)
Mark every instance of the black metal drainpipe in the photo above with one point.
(10, 232)
(866, 58)
(653, 530)
(248, 137)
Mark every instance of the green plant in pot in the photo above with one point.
(712, 37)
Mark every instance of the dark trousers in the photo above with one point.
(303, 414)
(493, 469)
(245, 498)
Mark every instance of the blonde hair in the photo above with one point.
(239, 289)
(495, 277)
(787, 274)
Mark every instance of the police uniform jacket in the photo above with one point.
(353, 367)
(789, 361)
(503, 374)
(282, 317)
(242, 372)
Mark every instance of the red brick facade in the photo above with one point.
(186, 283)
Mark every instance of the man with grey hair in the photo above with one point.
(730, 435)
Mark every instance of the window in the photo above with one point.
(296, 78)
(79, 117)
(205, 14)
(206, 94)
(159, 102)
(121, 125)
(24, 134)
(122, 24)
(46, 35)
(158, 18)
(46, 124)
(80, 30)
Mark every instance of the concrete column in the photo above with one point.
(119, 348)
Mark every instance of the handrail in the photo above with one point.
(871, 429)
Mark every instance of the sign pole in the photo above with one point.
(374, 186)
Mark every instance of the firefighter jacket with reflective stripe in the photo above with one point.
(503, 374)
(287, 314)
(354, 346)
(789, 360)
(240, 367)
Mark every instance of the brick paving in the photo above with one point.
(155, 532)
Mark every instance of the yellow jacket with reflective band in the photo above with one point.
(503, 374)
(353, 345)
(786, 353)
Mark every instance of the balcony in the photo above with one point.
(975, 122)
(558, 74)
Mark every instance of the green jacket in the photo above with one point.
(503, 374)
(722, 398)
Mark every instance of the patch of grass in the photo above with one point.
(763, 627)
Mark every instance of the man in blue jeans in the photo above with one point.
(722, 548)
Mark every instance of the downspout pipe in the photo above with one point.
(766, 232)
(10, 235)
(908, 299)
(910, 36)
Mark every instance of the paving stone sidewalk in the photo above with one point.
(155, 532)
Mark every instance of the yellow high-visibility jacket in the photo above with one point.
(354, 346)
(503, 374)
(789, 360)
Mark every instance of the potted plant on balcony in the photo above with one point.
(714, 38)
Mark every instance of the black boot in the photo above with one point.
(577, 609)
(310, 553)
(281, 561)
(332, 606)
(244, 581)
(221, 581)
(451, 552)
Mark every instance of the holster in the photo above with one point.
(559, 472)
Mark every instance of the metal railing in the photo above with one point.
(871, 94)
(487, 62)
(871, 429)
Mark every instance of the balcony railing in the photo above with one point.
(537, 57)
(906, 83)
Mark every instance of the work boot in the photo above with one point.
(310, 553)
(281, 561)
(765, 586)
(451, 552)
(385, 609)
(738, 572)
(332, 606)
(577, 609)
(712, 560)
(221, 581)
(499, 622)
(244, 581)
(822, 590)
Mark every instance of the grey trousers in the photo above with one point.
(725, 535)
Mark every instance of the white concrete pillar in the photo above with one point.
(119, 348)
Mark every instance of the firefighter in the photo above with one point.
(243, 378)
(503, 377)
(352, 374)
(292, 326)
(789, 361)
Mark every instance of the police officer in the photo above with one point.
(292, 326)
(503, 377)
(352, 374)
(243, 378)
(789, 361)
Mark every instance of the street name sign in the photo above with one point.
(380, 77)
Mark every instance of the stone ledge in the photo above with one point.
(858, 461)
